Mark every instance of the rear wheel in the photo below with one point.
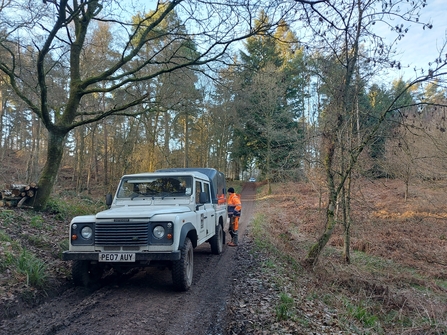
(85, 274)
(217, 241)
(182, 270)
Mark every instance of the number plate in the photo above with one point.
(116, 257)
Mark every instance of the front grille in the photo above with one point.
(121, 233)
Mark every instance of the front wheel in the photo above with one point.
(182, 270)
(217, 241)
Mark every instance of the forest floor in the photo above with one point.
(396, 282)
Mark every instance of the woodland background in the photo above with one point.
(299, 94)
(91, 90)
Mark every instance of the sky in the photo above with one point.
(420, 46)
(416, 49)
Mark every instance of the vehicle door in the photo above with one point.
(210, 210)
(205, 212)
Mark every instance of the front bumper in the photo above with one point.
(139, 256)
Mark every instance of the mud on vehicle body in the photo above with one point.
(154, 219)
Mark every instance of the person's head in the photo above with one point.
(231, 190)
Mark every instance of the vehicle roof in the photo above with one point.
(170, 173)
(210, 172)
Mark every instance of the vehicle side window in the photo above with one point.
(206, 189)
(198, 190)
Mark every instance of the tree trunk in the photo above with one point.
(91, 158)
(106, 155)
(1, 119)
(407, 182)
(186, 157)
(151, 125)
(346, 245)
(48, 176)
(347, 221)
(80, 159)
(35, 165)
(167, 134)
(315, 250)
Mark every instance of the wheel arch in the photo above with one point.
(188, 230)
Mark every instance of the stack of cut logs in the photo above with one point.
(15, 195)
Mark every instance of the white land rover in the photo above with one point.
(154, 219)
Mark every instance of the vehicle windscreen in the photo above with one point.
(133, 187)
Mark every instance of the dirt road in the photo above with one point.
(144, 302)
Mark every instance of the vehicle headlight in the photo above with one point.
(159, 232)
(87, 232)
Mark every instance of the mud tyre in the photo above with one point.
(183, 269)
(86, 274)
(217, 241)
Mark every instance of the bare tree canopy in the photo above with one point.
(41, 41)
(347, 54)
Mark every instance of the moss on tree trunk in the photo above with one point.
(48, 176)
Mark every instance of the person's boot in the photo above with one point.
(235, 238)
(233, 242)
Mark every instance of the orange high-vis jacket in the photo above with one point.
(221, 199)
(234, 204)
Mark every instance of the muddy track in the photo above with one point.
(144, 302)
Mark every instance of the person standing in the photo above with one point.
(234, 207)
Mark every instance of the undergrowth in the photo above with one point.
(372, 295)
(66, 206)
(29, 240)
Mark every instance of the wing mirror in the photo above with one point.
(109, 199)
(203, 199)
